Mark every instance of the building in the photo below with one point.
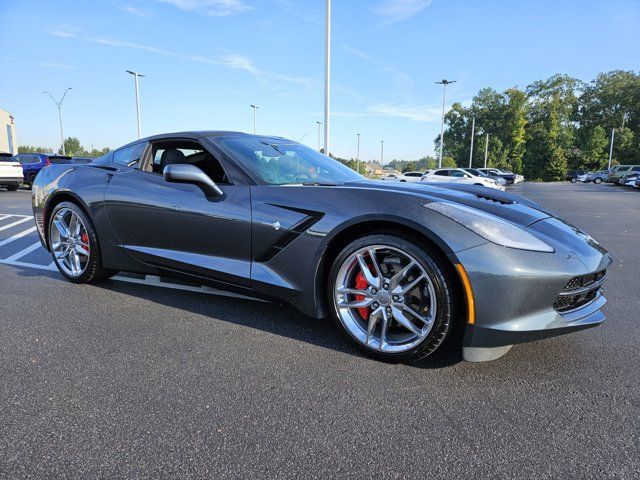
(8, 139)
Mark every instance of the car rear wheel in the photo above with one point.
(597, 181)
(392, 297)
(32, 178)
(12, 188)
(74, 245)
(574, 180)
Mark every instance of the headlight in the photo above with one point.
(489, 226)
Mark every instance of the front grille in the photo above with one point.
(579, 291)
(584, 281)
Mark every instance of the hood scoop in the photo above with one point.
(495, 200)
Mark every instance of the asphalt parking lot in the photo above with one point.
(133, 379)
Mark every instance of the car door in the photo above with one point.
(174, 225)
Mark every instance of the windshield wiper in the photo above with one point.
(320, 184)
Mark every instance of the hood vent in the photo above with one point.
(495, 200)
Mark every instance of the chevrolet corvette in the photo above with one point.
(398, 266)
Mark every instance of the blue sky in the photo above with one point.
(207, 60)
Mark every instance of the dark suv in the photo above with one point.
(572, 175)
(32, 163)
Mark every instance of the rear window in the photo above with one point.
(7, 157)
(59, 160)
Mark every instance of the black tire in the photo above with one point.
(12, 188)
(574, 180)
(94, 272)
(444, 285)
(597, 181)
(32, 178)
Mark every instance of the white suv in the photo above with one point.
(457, 175)
(10, 172)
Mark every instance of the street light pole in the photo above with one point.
(358, 153)
(444, 84)
(486, 150)
(381, 152)
(473, 132)
(254, 117)
(327, 73)
(613, 135)
(319, 123)
(59, 107)
(135, 76)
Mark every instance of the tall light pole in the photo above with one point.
(135, 76)
(358, 153)
(473, 132)
(254, 117)
(381, 152)
(59, 107)
(486, 150)
(319, 123)
(613, 135)
(444, 84)
(327, 72)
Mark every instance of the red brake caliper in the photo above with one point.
(361, 284)
(85, 239)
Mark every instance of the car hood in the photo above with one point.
(513, 208)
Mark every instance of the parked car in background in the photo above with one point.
(509, 177)
(629, 180)
(82, 160)
(458, 175)
(10, 172)
(638, 182)
(582, 178)
(620, 171)
(597, 177)
(32, 163)
(404, 177)
(572, 175)
(474, 171)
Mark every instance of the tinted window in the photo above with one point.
(129, 156)
(457, 173)
(7, 158)
(442, 173)
(27, 159)
(59, 160)
(413, 174)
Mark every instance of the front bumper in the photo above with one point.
(515, 290)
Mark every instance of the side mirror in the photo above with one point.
(185, 173)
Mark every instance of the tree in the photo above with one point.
(29, 149)
(72, 147)
(593, 154)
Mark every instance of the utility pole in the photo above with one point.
(613, 135)
(59, 107)
(327, 73)
(135, 76)
(254, 117)
(486, 150)
(473, 132)
(319, 148)
(444, 84)
(381, 152)
(358, 153)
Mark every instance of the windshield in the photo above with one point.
(281, 162)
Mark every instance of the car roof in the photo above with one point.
(195, 134)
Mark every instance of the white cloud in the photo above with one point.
(401, 79)
(213, 8)
(138, 12)
(417, 113)
(396, 10)
(63, 31)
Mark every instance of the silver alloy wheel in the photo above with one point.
(393, 291)
(69, 242)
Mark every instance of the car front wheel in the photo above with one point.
(74, 245)
(597, 181)
(392, 297)
(574, 180)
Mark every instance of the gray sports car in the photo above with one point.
(398, 266)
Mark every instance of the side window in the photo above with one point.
(443, 173)
(413, 174)
(457, 173)
(129, 156)
(186, 152)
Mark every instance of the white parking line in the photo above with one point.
(15, 237)
(17, 222)
(2, 217)
(23, 252)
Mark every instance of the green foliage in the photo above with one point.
(29, 149)
(553, 125)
